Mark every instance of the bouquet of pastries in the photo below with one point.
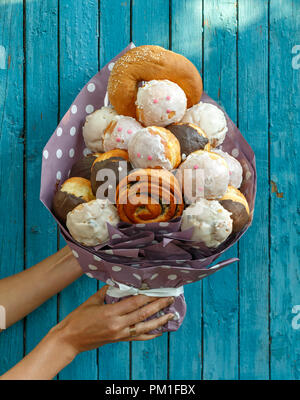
(148, 178)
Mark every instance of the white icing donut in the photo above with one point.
(160, 103)
(87, 222)
(94, 127)
(211, 222)
(118, 133)
(207, 176)
(210, 119)
(148, 148)
(235, 168)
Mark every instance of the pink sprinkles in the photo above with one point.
(196, 166)
(155, 101)
(119, 129)
(149, 158)
(168, 97)
(139, 155)
(168, 111)
(118, 140)
(129, 131)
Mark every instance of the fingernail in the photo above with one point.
(170, 317)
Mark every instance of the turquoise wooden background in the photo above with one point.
(239, 322)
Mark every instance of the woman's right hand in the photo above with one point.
(94, 323)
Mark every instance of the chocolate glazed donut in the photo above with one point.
(146, 63)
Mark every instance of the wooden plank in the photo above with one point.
(150, 25)
(284, 75)
(185, 355)
(78, 61)
(11, 164)
(114, 359)
(220, 292)
(253, 122)
(41, 115)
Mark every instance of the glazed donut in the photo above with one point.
(146, 63)
(154, 147)
(149, 195)
(235, 168)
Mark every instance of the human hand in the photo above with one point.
(94, 323)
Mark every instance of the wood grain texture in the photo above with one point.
(150, 25)
(253, 123)
(114, 359)
(78, 62)
(41, 117)
(220, 292)
(284, 173)
(187, 40)
(11, 165)
(239, 321)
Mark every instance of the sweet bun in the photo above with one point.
(203, 174)
(94, 127)
(235, 168)
(149, 195)
(211, 120)
(119, 131)
(235, 202)
(190, 137)
(211, 222)
(146, 63)
(113, 153)
(113, 170)
(87, 223)
(72, 192)
(160, 103)
(82, 167)
(154, 147)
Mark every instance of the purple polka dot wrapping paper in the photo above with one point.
(145, 256)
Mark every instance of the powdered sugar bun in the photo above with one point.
(160, 103)
(87, 223)
(208, 176)
(211, 222)
(235, 168)
(146, 63)
(154, 147)
(94, 127)
(118, 133)
(210, 119)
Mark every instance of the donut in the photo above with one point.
(72, 192)
(94, 127)
(211, 120)
(235, 202)
(146, 63)
(119, 131)
(190, 137)
(87, 223)
(211, 222)
(154, 147)
(149, 195)
(203, 174)
(113, 170)
(160, 103)
(82, 167)
(235, 168)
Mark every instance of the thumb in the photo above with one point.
(98, 297)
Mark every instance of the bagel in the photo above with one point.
(146, 63)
